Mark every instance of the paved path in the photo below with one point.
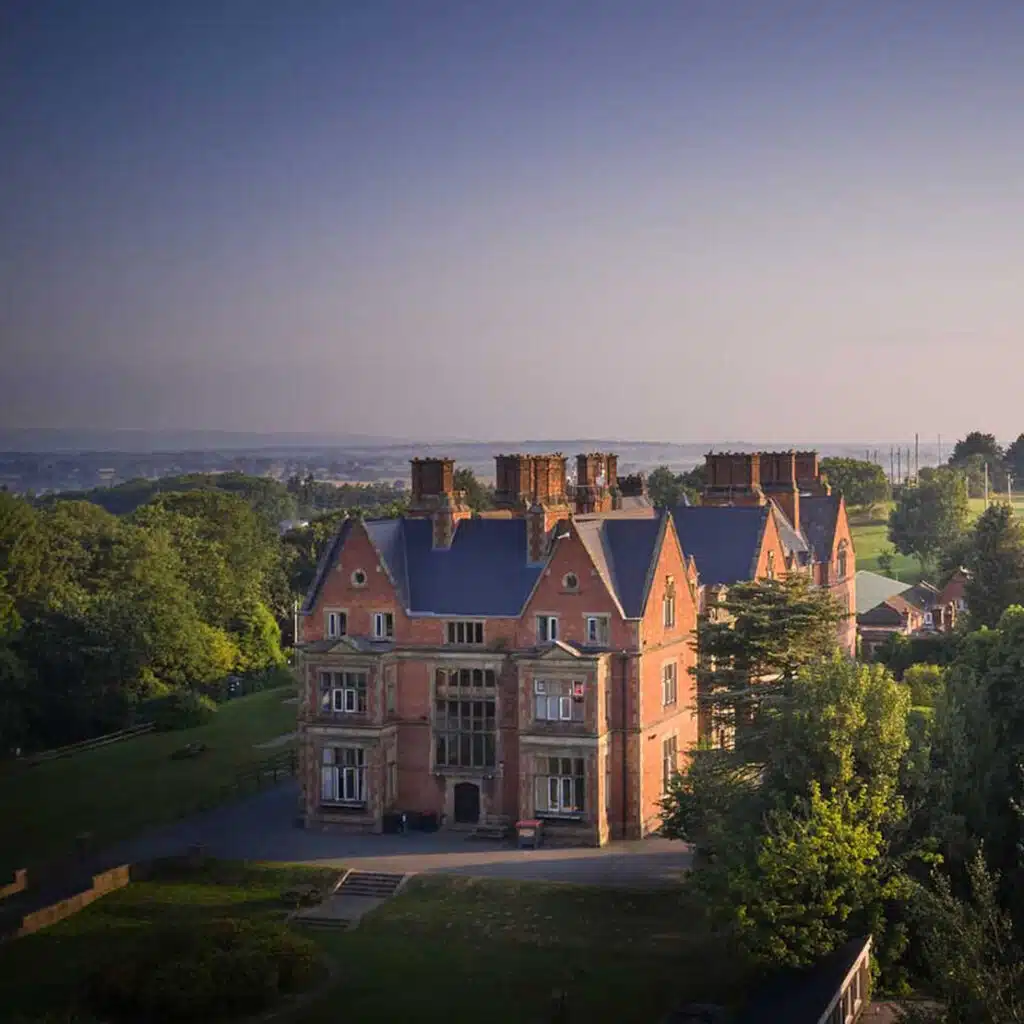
(262, 828)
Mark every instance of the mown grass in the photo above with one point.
(465, 950)
(116, 791)
(452, 949)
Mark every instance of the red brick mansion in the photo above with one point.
(534, 661)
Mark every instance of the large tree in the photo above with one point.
(1013, 458)
(667, 489)
(995, 562)
(930, 516)
(863, 484)
(478, 496)
(754, 640)
(976, 443)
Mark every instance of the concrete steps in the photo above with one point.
(371, 884)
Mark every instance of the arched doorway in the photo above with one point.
(466, 799)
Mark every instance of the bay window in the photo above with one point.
(558, 700)
(343, 775)
(343, 692)
(559, 787)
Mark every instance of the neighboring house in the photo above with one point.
(531, 662)
(887, 606)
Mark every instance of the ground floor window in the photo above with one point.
(343, 775)
(560, 786)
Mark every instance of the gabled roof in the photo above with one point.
(873, 589)
(818, 517)
(724, 541)
(484, 572)
(624, 550)
(327, 559)
(922, 596)
(792, 539)
(889, 612)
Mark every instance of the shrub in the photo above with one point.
(925, 682)
(179, 710)
(219, 969)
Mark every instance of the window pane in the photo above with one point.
(565, 708)
(327, 783)
(440, 752)
(465, 677)
(579, 794)
(478, 750)
(578, 766)
(553, 708)
(489, 676)
(479, 632)
(440, 678)
(553, 794)
(541, 711)
(489, 751)
(465, 749)
(553, 765)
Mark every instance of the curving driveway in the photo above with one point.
(262, 827)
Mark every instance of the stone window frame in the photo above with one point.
(571, 695)
(356, 691)
(668, 604)
(544, 636)
(571, 582)
(569, 789)
(469, 625)
(385, 615)
(344, 775)
(359, 577)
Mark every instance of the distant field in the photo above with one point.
(871, 537)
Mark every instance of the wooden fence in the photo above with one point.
(93, 744)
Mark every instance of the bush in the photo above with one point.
(182, 709)
(926, 683)
(219, 969)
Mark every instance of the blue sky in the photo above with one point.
(677, 220)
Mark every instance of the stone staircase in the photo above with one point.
(493, 827)
(373, 884)
(357, 894)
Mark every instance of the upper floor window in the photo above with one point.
(771, 565)
(570, 581)
(359, 578)
(383, 625)
(842, 568)
(343, 692)
(450, 679)
(337, 624)
(669, 683)
(547, 628)
(668, 604)
(465, 632)
(343, 775)
(596, 629)
(558, 700)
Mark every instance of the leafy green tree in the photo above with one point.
(863, 484)
(1013, 458)
(931, 516)
(478, 496)
(925, 683)
(259, 639)
(665, 488)
(995, 562)
(757, 637)
(976, 443)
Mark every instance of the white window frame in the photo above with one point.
(669, 683)
(343, 783)
(335, 617)
(668, 604)
(547, 628)
(555, 795)
(344, 700)
(555, 701)
(464, 632)
(596, 629)
(383, 625)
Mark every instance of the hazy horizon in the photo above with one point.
(659, 220)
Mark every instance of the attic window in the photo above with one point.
(359, 578)
(571, 581)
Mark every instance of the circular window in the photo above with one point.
(359, 578)
(570, 581)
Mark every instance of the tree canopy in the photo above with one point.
(994, 558)
(930, 516)
(667, 489)
(863, 484)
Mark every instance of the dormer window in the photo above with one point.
(570, 581)
(465, 632)
(596, 629)
(383, 625)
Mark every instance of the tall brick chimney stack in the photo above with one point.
(778, 481)
(533, 486)
(808, 475)
(597, 478)
(734, 478)
(434, 495)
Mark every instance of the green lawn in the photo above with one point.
(116, 791)
(871, 537)
(473, 949)
(461, 950)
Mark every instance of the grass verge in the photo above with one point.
(116, 791)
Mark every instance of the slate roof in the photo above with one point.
(483, 573)
(792, 539)
(889, 612)
(623, 550)
(724, 541)
(818, 516)
(873, 589)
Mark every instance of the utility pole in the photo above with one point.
(1009, 491)
(917, 455)
(986, 485)
(899, 465)
(892, 468)
(940, 449)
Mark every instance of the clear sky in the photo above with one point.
(681, 220)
